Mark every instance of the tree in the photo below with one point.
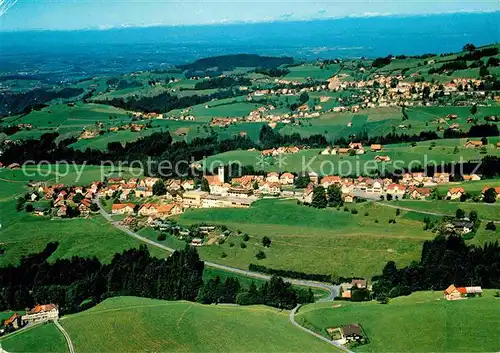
(459, 213)
(473, 216)
(159, 188)
(245, 237)
(473, 109)
(266, 242)
(334, 193)
(204, 185)
(319, 197)
(260, 255)
(469, 47)
(78, 198)
(304, 97)
(484, 140)
(302, 181)
(491, 226)
(29, 208)
(483, 71)
(490, 195)
(255, 185)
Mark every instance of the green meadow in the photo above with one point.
(421, 322)
(41, 338)
(305, 239)
(423, 153)
(129, 324)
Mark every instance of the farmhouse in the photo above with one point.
(122, 208)
(41, 313)
(382, 158)
(473, 144)
(455, 193)
(454, 293)
(148, 209)
(376, 147)
(496, 188)
(472, 177)
(328, 180)
(14, 320)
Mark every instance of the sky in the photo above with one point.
(103, 14)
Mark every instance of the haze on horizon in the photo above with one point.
(103, 14)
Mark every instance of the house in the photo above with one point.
(496, 188)
(84, 207)
(270, 188)
(441, 178)
(169, 210)
(196, 242)
(396, 190)
(359, 283)
(382, 158)
(149, 209)
(419, 193)
(326, 151)
(273, 177)
(352, 332)
(455, 193)
(287, 179)
(14, 166)
(188, 185)
(462, 226)
(41, 313)
(328, 180)
(14, 320)
(473, 144)
(62, 211)
(498, 145)
(376, 148)
(472, 177)
(454, 293)
(239, 192)
(122, 208)
(348, 198)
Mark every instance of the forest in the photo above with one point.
(78, 283)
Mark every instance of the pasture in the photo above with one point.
(140, 324)
(402, 155)
(22, 234)
(421, 322)
(41, 338)
(327, 241)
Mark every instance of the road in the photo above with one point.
(427, 212)
(66, 336)
(295, 323)
(332, 289)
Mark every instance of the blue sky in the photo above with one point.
(78, 14)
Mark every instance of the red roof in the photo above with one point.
(462, 290)
(10, 319)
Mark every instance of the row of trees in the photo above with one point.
(71, 282)
(276, 292)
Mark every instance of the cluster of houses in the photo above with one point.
(40, 313)
(280, 150)
(355, 148)
(63, 199)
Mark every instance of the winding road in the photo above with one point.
(332, 289)
(66, 336)
(295, 323)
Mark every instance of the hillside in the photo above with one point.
(421, 322)
(130, 324)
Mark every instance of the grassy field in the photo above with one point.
(23, 233)
(315, 241)
(421, 322)
(485, 211)
(304, 72)
(128, 324)
(42, 338)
